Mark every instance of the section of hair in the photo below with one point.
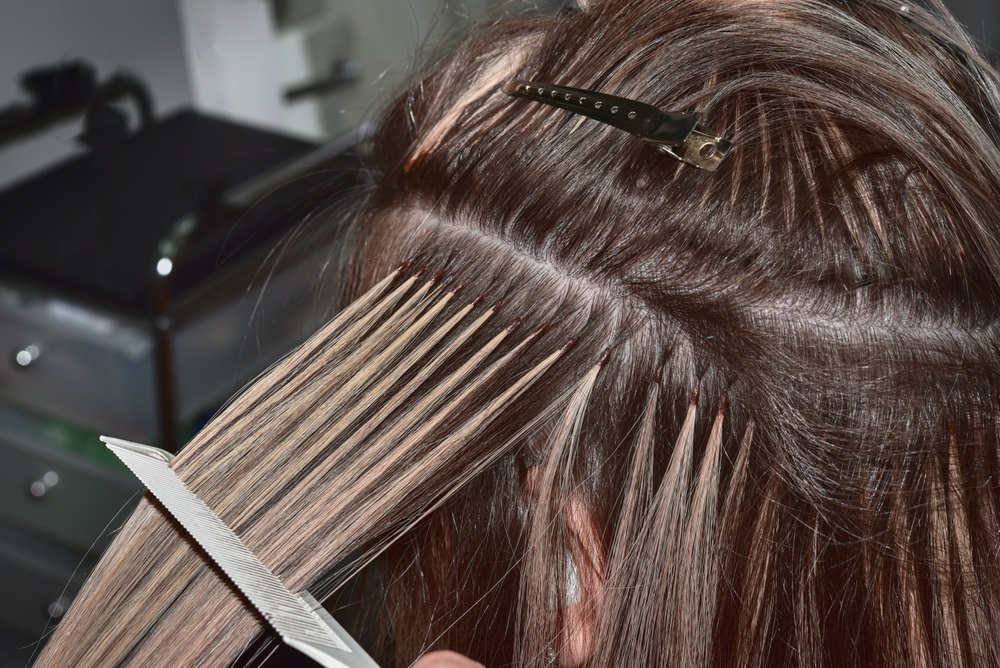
(384, 404)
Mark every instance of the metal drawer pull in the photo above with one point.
(27, 356)
(39, 488)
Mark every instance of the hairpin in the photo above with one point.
(669, 132)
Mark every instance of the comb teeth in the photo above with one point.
(297, 619)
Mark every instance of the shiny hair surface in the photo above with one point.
(737, 418)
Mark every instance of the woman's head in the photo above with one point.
(835, 280)
(737, 417)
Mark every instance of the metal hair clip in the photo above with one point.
(671, 133)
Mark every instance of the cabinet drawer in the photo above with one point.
(97, 371)
(61, 496)
(71, 362)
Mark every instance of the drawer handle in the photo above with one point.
(27, 356)
(40, 487)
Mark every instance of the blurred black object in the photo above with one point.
(63, 91)
(341, 73)
(96, 226)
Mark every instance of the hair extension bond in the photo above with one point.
(632, 412)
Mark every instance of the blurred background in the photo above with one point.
(156, 160)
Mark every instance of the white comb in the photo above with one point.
(299, 619)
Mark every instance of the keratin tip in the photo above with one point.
(541, 329)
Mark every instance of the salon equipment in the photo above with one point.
(299, 619)
(141, 284)
(146, 264)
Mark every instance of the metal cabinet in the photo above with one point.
(129, 307)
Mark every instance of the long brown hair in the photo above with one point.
(772, 389)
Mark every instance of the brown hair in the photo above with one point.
(773, 388)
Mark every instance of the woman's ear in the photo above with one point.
(584, 572)
(584, 586)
